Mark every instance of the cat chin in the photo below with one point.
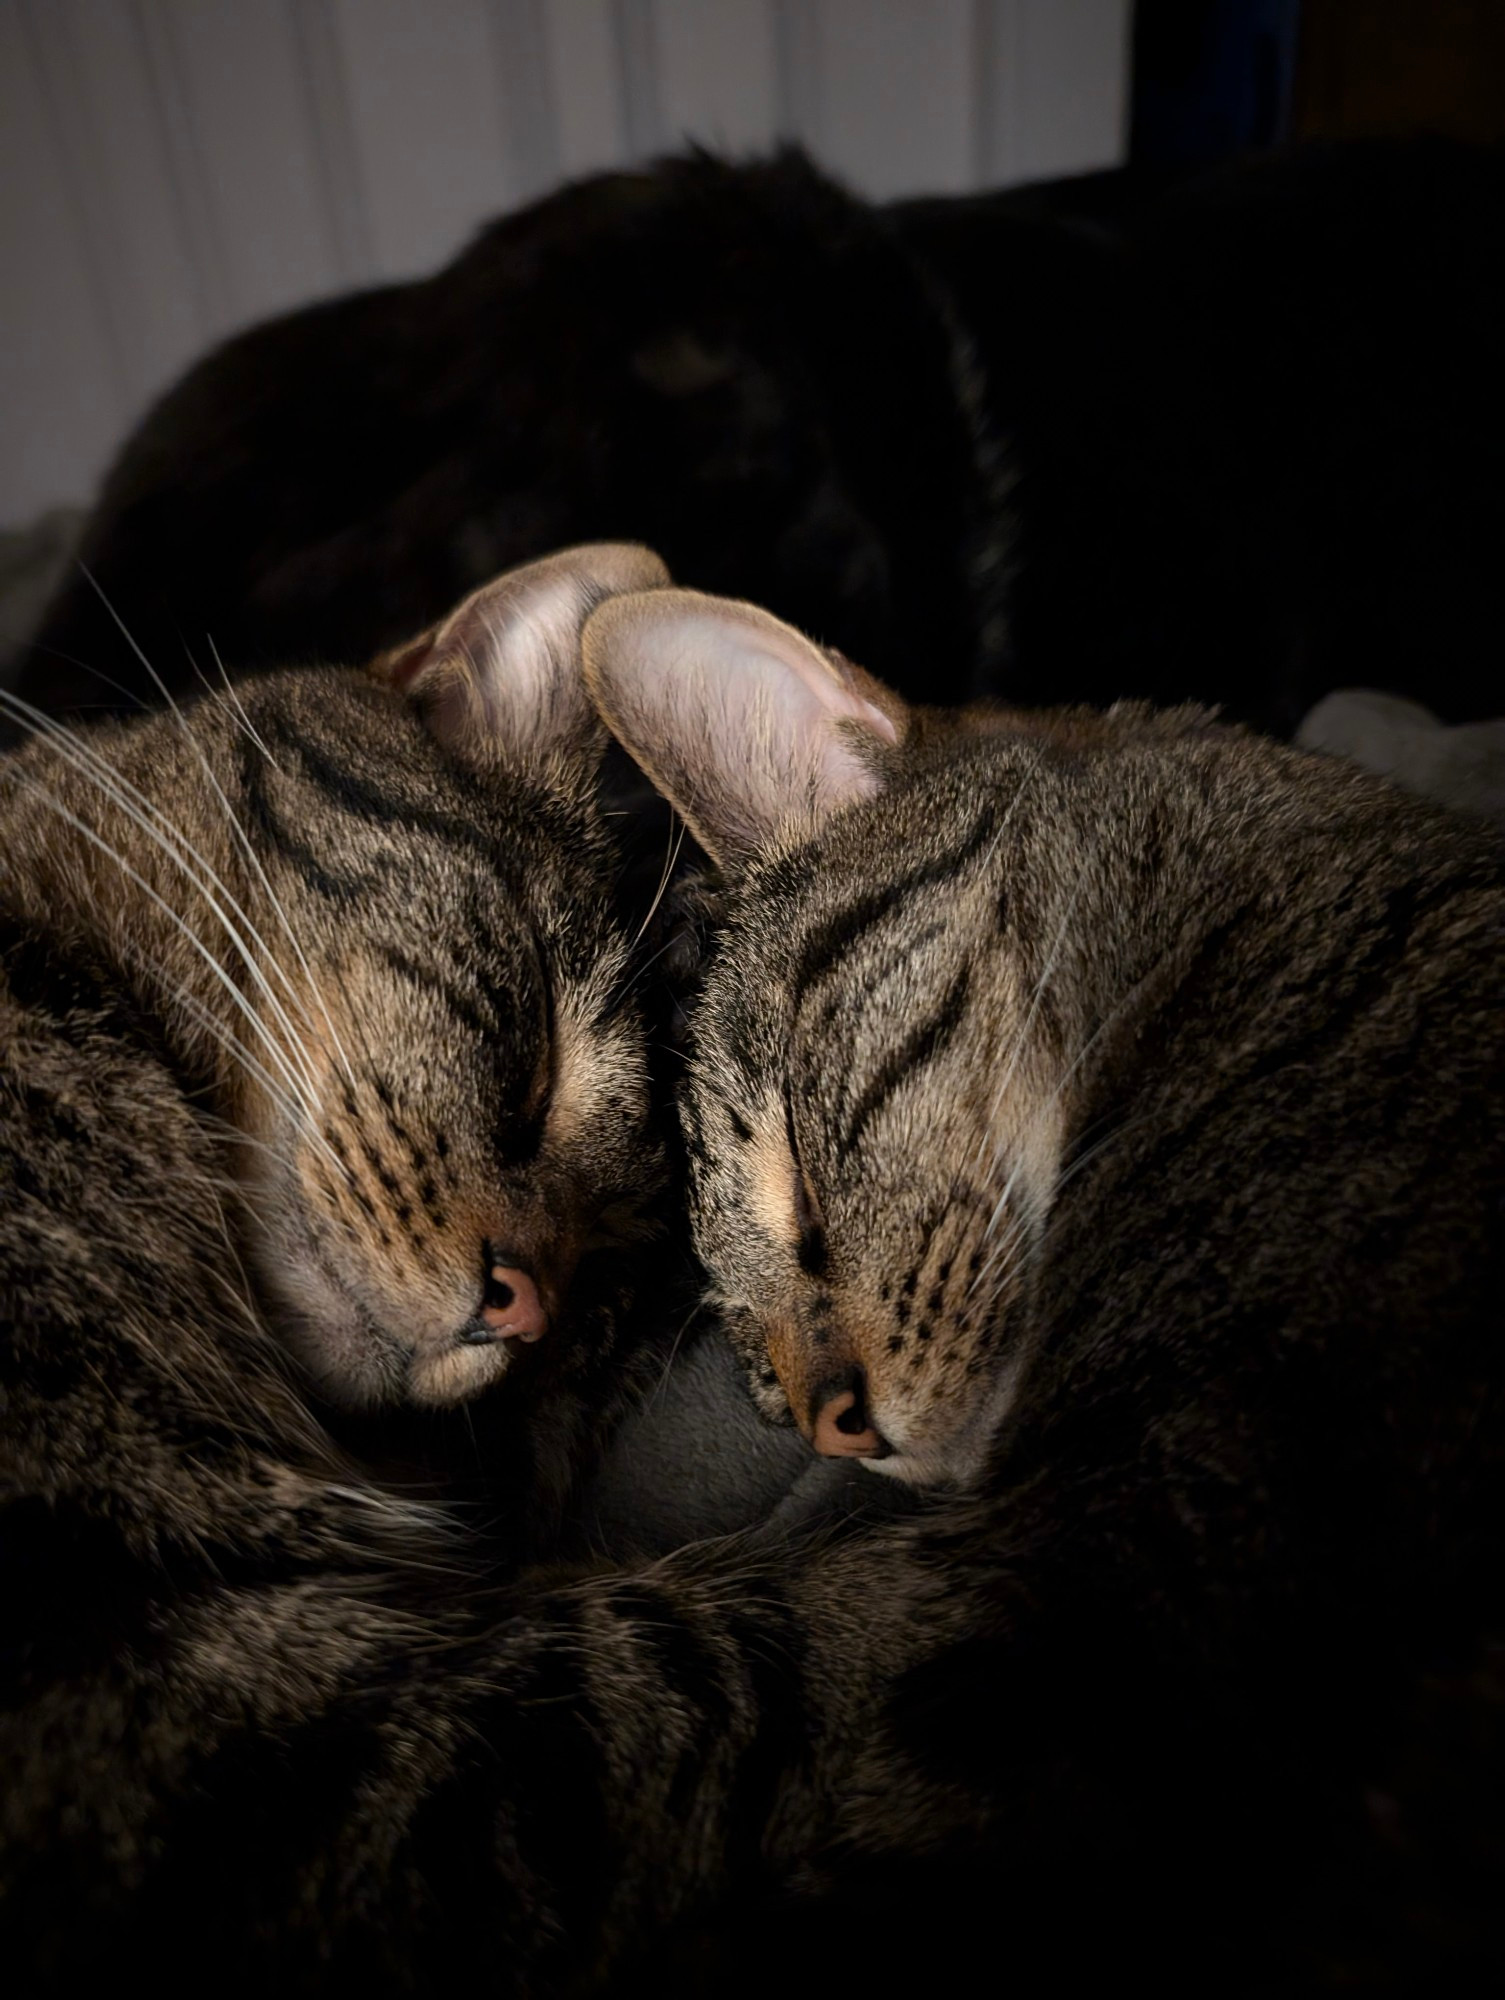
(928, 1469)
(440, 1381)
(341, 1359)
(956, 1461)
(352, 1365)
(356, 1363)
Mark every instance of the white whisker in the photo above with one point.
(663, 1381)
(197, 1012)
(211, 692)
(1022, 1034)
(299, 1107)
(984, 865)
(239, 705)
(1109, 1020)
(1083, 1160)
(261, 875)
(239, 832)
(180, 851)
(671, 855)
(651, 960)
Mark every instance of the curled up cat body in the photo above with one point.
(1101, 1120)
(1095, 1122)
(324, 1106)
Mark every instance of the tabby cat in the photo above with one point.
(1164, 1253)
(1105, 1116)
(323, 1090)
(323, 1084)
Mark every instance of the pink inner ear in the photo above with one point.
(825, 680)
(881, 724)
(402, 666)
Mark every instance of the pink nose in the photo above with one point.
(842, 1429)
(513, 1308)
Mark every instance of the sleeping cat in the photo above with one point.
(323, 1083)
(1234, 1017)
(1105, 1116)
(347, 991)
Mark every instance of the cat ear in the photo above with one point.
(744, 725)
(499, 678)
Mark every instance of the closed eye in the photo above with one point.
(808, 1220)
(541, 1091)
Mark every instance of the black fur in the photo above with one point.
(1238, 437)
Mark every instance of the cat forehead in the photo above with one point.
(334, 758)
(903, 862)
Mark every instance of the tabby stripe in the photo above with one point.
(546, 1787)
(257, 810)
(1370, 975)
(675, 1657)
(829, 944)
(923, 1045)
(772, 1654)
(469, 1008)
(364, 800)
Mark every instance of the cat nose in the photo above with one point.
(843, 1428)
(512, 1309)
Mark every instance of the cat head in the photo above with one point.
(873, 1106)
(375, 911)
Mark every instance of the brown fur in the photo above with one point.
(1190, 1681)
(1110, 1108)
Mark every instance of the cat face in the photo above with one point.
(873, 1104)
(374, 909)
(866, 1180)
(479, 1100)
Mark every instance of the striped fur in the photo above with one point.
(309, 1004)
(1122, 1706)
(1121, 1101)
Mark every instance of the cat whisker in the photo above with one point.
(1001, 1263)
(663, 1380)
(233, 820)
(255, 860)
(1109, 1020)
(239, 705)
(231, 1135)
(984, 865)
(142, 811)
(293, 1108)
(1083, 1160)
(651, 960)
(255, 736)
(129, 694)
(293, 1090)
(1022, 1036)
(179, 850)
(1099, 1146)
(671, 856)
(296, 1111)
(211, 692)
